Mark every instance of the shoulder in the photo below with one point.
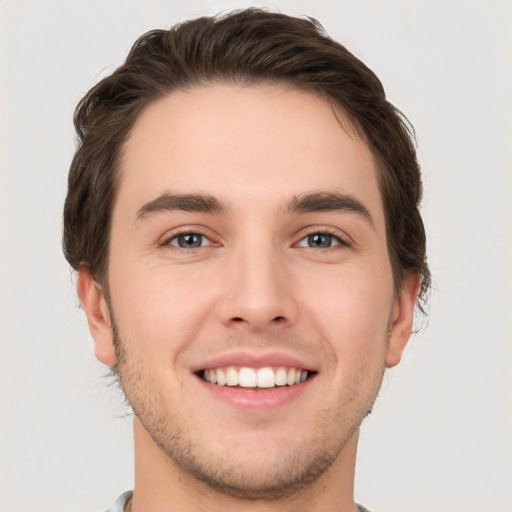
(119, 504)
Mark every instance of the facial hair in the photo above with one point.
(282, 476)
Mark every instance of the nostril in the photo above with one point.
(277, 320)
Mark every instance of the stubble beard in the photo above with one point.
(284, 476)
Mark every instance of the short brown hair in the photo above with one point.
(247, 46)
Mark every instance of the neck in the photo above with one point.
(161, 485)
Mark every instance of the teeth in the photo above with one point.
(232, 377)
(221, 377)
(247, 378)
(266, 377)
(281, 377)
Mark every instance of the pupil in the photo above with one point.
(190, 241)
(319, 240)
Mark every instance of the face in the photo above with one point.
(250, 286)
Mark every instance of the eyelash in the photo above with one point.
(168, 241)
(324, 232)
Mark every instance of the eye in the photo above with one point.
(189, 241)
(320, 241)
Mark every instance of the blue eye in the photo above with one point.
(320, 241)
(188, 241)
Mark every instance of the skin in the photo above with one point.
(255, 285)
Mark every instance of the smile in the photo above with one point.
(245, 377)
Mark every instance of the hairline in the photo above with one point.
(346, 121)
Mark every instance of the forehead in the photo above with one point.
(247, 143)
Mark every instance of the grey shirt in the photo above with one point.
(118, 506)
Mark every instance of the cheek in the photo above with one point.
(353, 295)
(352, 311)
(157, 309)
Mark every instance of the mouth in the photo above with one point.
(264, 378)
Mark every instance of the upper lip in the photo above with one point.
(253, 360)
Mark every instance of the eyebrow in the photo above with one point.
(328, 202)
(302, 203)
(185, 202)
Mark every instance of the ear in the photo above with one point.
(402, 318)
(95, 306)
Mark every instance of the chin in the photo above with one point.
(267, 464)
(256, 476)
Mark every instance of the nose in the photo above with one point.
(258, 293)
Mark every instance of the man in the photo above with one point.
(243, 215)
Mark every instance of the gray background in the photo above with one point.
(440, 438)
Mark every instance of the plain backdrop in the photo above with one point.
(440, 438)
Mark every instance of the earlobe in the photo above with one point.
(402, 318)
(98, 317)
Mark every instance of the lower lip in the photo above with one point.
(256, 399)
